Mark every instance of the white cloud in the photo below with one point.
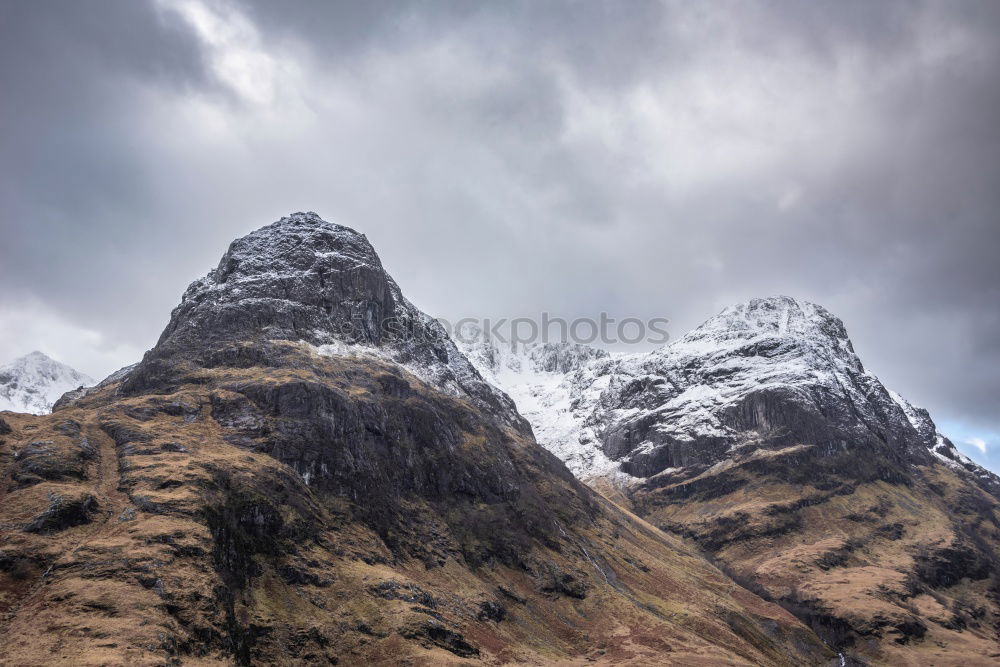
(237, 57)
(978, 443)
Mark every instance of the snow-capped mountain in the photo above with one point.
(34, 382)
(307, 280)
(301, 417)
(765, 373)
(302, 432)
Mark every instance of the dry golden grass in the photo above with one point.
(141, 581)
(852, 554)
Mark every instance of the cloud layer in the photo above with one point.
(651, 159)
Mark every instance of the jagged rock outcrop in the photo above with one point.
(271, 486)
(304, 280)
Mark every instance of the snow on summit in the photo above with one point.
(313, 282)
(34, 382)
(707, 396)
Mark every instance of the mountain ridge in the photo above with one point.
(778, 342)
(761, 436)
(266, 487)
(307, 468)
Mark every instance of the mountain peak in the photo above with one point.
(307, 220)
(776, 336)
(34, 382)
(310, 223)
(300, 278)
(780, 369)
(771, 317)
(36, 360)
(297, 243)
(307, 281)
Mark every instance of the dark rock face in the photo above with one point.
(770, 373)
(64, 512)
(945, 567)
(491, 610)
(369, 434)
(62, 459)
(434, 633)
(305, 280)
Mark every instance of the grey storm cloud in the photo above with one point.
(648, 159)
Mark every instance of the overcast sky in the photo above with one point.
(644, 159)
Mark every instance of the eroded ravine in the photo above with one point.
(106, 521)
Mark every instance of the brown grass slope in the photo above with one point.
(892, 565)
(266, 505)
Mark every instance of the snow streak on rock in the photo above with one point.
(547, 384)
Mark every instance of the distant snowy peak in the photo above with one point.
(34, 382)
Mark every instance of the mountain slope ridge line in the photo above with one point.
(303, 485)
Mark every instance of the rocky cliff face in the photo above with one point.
(302, 471)
(762, 436)
(304, 280)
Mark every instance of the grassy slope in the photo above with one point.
(138, 530)
(902, 574)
